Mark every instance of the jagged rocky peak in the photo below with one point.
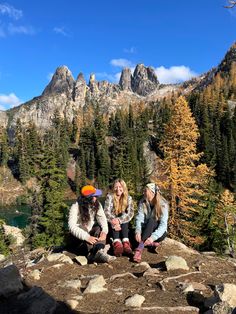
(93, 85)
(152, 75)
(125, 79)
(229, 58)
(80, 88)
(61, 82)
(144, 80)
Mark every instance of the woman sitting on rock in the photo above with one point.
(151, 220)
(87, 222)
(119, 211)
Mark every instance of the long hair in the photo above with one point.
(156, 202)
(85, 205)
(157, 205)
(120, 204)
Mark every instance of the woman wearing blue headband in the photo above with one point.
(151, 220)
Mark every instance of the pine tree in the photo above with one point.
(184, 178)
(51, 226)
(210, 221)
(4, 147)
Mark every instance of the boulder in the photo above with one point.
(135, 301)
(10, 281)
(96, 285)
(176, 262)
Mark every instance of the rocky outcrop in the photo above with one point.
(68, 97)
(80, 89)
(3, 119)
(144, 80)
(125, 79)
(62, 82)
(206, 286)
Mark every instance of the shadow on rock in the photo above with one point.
(18, 298)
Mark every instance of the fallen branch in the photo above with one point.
(161, 283)
(168, 309)
(122, 275)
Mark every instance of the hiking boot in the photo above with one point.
(127, 248)
(153, 248)
(102, 257)
(117, 248)
(137, 256)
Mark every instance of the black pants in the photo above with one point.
(123, 233)
(81, 247)
(151, 225)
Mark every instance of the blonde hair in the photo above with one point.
(156, 202)
(120, 204)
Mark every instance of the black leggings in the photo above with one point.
(78, 246)
(93, 248)
(123, 233)
(151, 225)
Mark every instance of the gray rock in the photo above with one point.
(143, 264)
(35, 274)
(125, 79)
(62, 82)
(81, 260)
(2, 258)
(74, 284)
(59, 257)
(80, 89)
(96, 285)
(135, 301)
(10, 281)
(144, 80)
(221, 308)
(72, 303)
(176, 262)
(3, 119)
(226, 292)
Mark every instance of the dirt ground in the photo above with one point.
(206, 269)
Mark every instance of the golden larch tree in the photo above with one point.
(184, 177)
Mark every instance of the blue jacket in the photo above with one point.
(145, 213)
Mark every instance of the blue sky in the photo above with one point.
(178, 38)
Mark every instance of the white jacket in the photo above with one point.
(81, 230)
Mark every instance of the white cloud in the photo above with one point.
(11, 28)
(130, 50)
(26, 30)
(174, 74)
(7, 9)
(121, 63)
(10, 100)
(61, 31)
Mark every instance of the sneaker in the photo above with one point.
(118, 248)
(127, 248)
(102, 257)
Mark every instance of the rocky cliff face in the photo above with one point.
(68, 96)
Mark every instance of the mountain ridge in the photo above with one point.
(69, 96)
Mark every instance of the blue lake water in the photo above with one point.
(17, 216)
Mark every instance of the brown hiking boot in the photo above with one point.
(127, 248)
(117, 248)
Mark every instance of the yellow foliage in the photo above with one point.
(185, 180)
